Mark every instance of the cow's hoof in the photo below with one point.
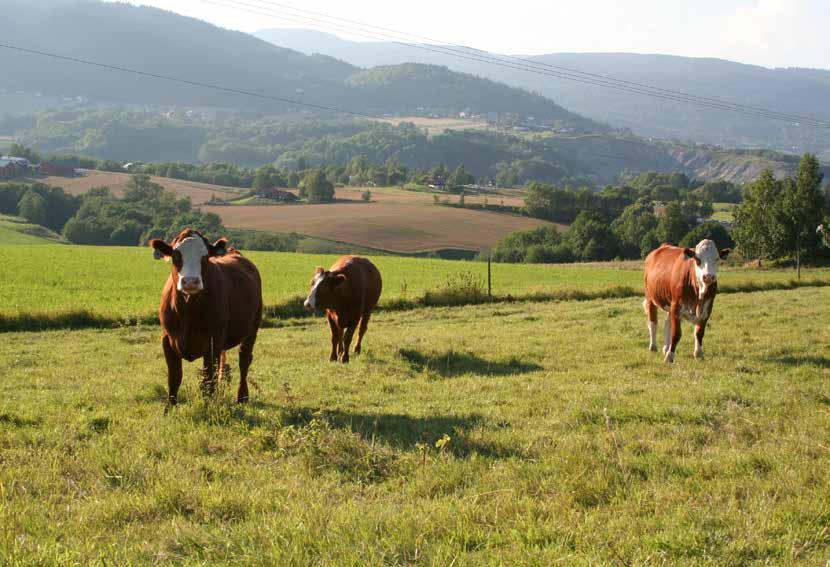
(242, 400)
(699, 355)
(669, 357)
(652, 348)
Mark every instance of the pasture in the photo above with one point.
(522, 433)
(124, 283)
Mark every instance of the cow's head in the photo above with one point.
(189, 252)
(325, 286)
(706, 256)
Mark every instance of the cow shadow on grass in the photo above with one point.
(403, 432)
(452, 363)
(793, 360)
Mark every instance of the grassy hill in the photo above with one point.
(16, 231)
(160, 42)
(475, 434)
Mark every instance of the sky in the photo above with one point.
(772, 33)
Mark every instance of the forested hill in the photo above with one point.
(794, 91)
(160, 42)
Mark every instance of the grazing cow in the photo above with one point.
(211, 302)
(684, 282)
(347, 292)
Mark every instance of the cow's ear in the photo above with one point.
(724, 252)
(319, 270)
(689, 252)
(339, 279)
(218, 248)
(160, 249)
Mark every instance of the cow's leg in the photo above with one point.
(335, 338)
(699, 332)
(651, 318)
(246, 356)
(364, 323)
(223, 362)
(676, 331)
(174, 371)
(667, 335)
(347, 341)
(209, 364)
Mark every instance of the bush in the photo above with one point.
(460, 289)
(366, 196)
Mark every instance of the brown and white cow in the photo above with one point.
(684, 282)
(347, 292)
(211, 302)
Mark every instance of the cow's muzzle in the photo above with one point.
(191, 285)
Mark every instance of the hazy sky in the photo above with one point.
(763, 32)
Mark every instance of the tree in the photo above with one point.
(316, 187)
(141, 189)
(21, 151)
(544, 201)
(711, 230)
(33, 208)
(458, 179)
(756, 229)
(801, 210)
(636, 220)
(673, 224)
(591, 238)
(266, 177)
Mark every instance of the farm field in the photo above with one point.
(723, 212)
(198, 192)
(493, 434)
(396, 227)
(438, 125)
(125, 283)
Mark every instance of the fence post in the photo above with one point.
(489, 280)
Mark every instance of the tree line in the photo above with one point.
(774, 219)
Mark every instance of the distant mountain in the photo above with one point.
(159, 42)
(792, 91)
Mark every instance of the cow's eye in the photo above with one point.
(177, 258)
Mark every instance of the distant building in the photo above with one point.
(64, 169)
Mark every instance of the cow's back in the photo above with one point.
(364, 280)
(664, 271)
(241, 287)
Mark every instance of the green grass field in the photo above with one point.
(15, 231)
(501, 434)
(723, 212)
(126, 283)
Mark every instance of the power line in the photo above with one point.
(183, 81)
(522, 64)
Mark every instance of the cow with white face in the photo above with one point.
(211, 302)
(188, 252)
(684, 282)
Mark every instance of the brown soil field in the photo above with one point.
(198, 192)
(396, 227)
(395, 195)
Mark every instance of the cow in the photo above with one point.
(684, 282)
(212, 302)
(347, 292)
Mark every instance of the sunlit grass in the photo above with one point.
(496, 434)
